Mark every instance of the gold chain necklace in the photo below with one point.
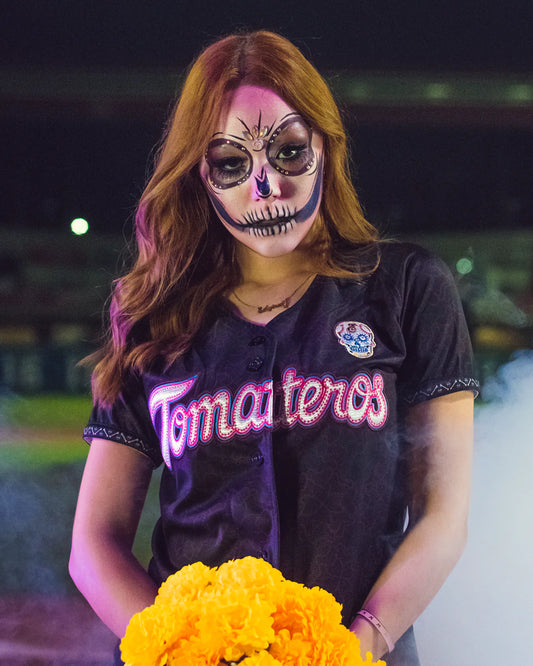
(285, 303)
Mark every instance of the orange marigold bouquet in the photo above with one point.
(242, 612)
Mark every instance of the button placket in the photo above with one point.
(261, 358)
(257, 362)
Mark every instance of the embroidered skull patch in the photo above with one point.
(358, 338)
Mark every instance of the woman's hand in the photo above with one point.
(112, 494)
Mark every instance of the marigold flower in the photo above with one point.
(242, 612)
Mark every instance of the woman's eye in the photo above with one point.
(229, 164)
(291, 151)
(228, 170)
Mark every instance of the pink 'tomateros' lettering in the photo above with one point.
(312, 402)
(205, 410)
(303, 401)
(372, 405)
(337, 390)
(290, 383)
(254, 419)
(185, 421)
(160, 399)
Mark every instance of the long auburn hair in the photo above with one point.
(185, 257)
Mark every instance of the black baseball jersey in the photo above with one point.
(285, 441)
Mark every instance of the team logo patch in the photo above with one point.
(358, 338)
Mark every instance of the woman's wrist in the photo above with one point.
(371, 640)
(377, 624)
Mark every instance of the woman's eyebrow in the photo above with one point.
(292, 113)
(239, 138)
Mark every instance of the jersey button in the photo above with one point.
(258, 340)
(256, 363)
(257, 459)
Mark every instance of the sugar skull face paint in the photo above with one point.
(263, 185)
(263, 172)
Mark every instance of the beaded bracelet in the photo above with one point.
(370, 617)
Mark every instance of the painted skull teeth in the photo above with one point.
(275, 214)
(280, 226)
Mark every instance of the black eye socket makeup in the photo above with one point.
(288, 150)
(230, 164)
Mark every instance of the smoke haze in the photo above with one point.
(482, 616)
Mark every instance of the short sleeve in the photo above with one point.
(439, 357)
(126, 421)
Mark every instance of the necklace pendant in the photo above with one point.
(268, 308)
(265, 308)
(285, 303)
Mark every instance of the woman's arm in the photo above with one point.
(112, 494)
(441, 432)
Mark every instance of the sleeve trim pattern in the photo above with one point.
(442, 388)
(114, 435)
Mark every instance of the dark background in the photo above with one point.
(365, 34)
(66, 160)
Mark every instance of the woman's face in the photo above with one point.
(263, 172)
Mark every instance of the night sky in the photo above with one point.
(419, 177)
(368, 34)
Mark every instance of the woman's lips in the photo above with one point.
(269, 223)
(271, 228)
(273, 213)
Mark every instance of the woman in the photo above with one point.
(308, 388)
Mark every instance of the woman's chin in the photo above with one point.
(273, 246)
